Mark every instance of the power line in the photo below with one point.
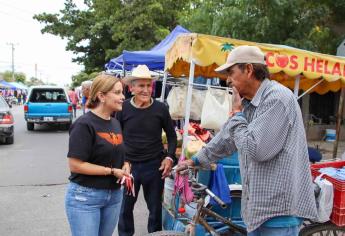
(17, 18)
(41, 65)
(17, 8)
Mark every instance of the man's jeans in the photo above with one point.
(147, 175)
(92, 211)
(278, 231)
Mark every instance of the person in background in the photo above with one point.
(142, 119)
(85, 88)
(96, 160)
(74, 100)
(266, 128)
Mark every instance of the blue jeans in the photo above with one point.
(275, 231)
(91, 211)
(145, 174)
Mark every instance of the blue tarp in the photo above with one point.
(19, 85)
(153, 58)
(7, 84)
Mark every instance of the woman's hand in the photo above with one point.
(119, 173)
(127, 167)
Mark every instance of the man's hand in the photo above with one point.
(127, 168)
(183, 165)
(166, 167)
(236, 101)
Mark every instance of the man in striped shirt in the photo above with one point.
(266, 128)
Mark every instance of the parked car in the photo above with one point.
(6, 123)
(47, 105)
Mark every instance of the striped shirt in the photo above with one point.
(273, 156)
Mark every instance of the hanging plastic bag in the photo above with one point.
(198, 98)
(215, 111)
(324, 202)
(219, 186)
(176, 101)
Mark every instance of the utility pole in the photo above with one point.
(36, 70)
(12, 46)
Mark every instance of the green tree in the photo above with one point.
(79, 78)
(82, 76)
(312, 25)
(107, 27)
(18, 76)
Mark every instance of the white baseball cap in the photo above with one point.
(243, 54)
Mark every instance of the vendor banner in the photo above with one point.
(284, 63)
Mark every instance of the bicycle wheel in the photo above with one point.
(326, 229)
(167, 233)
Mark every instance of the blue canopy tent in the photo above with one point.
(7, 84)
(153, 58)
(19, 85)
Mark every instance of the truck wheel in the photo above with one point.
(30, 126)
(10, 140)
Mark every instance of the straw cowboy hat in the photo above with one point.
(139, 72)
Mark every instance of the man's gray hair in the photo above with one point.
(86, 84)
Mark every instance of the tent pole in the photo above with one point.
(164, 85)
(297, 80)
(188, 103)
(320, 81)
(338, 125)
(124, 69)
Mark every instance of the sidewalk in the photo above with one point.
(326, 148)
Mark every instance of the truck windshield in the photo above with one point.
(48, 95)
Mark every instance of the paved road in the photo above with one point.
(33, 178)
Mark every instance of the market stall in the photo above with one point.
(195, 55)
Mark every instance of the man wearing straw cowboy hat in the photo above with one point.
(142, 119)
(266, 128)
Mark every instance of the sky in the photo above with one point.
(54, 63)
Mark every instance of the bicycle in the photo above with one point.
(308, 228)
(322, 229)
(202, 212)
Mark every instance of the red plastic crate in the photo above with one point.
(338, 185)
(338, 216)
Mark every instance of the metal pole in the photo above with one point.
(36, 70)
(12, 49)
(13, 62)
(295, 91)
(320, 81)
(339, 119)
(164, 85)
(188, 103)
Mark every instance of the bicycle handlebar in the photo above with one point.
(200, 187)
(216, 198)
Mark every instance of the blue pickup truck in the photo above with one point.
(47, 105)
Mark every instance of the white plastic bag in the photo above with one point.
(324, 202)
(215, 111)
(176, 101)
(198, 98)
